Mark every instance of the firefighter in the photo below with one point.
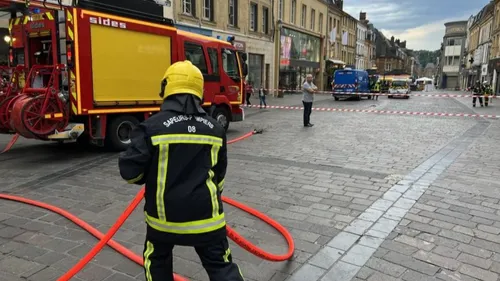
(180, 154)
(487, 91)
(477, 91)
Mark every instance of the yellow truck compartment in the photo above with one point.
(127, 65)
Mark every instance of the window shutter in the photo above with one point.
(236, 9)
(212, 4)
(193, 8)
(256, 17)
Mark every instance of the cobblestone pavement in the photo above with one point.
(366, 197)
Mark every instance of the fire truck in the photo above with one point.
(90, 70)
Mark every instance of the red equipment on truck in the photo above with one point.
(93, 69)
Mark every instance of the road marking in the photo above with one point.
(344, 255)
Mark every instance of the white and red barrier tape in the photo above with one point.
(385, 94)
(379, 111)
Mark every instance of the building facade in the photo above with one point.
(251, 22)
(361, 47)
(371, 38)
(494, 63)
(479, 46)
(390, 55)
(333, 42)
(300, 47)
(349, 39)
(453, 46)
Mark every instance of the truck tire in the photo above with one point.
(118, 132)
(336, 98)
(221, 115)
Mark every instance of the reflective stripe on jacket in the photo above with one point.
(182, 159)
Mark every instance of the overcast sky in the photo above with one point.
(420, 23)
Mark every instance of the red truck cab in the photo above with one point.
(92, 70)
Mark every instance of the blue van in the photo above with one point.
(348, 82)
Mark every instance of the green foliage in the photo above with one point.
(425, 56)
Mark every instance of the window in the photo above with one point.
(214, 60)
(304, 16)
(320, 24)
(293, 12)
(230, 64)
(194, 53)
(188, 7)
(233, 13)
(265, 20)
(253, 16)
(208, 10)
(313, 19)
(280, 9)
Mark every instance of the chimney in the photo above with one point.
(403, 44)
(397, 42)
(362, 16)
(392, 39)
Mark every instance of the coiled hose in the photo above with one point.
(106, 238)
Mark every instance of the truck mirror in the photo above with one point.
(245, 69)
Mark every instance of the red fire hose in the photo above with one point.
(106, 239)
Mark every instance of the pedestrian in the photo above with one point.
(262, 96)
(248, 92)
(477, 92)
(180, 154)
(308, 90)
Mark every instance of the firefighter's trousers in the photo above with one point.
(216, 259)
(477, 97)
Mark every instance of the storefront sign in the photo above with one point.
(240, 46)
(298, 46)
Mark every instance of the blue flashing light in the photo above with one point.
(218, 37)
(36, 11)
(230, 38)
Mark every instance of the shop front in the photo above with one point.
(299, 55)
(260, 57)
(494, 65)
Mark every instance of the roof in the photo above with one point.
(486, 11)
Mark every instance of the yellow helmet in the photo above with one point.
(182, 78)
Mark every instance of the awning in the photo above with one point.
(334, 61)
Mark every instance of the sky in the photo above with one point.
(420, 23)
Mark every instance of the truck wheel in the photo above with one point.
(222, 116)
(118, 132)
(336, 98)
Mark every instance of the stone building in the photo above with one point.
(333, 42)
(300, 46)
(251, 22)
(452, 50)
(348, 26)
(361, 47)
(494, 63)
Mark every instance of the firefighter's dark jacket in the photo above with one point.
(180, 154)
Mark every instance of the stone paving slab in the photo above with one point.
(284, 173)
